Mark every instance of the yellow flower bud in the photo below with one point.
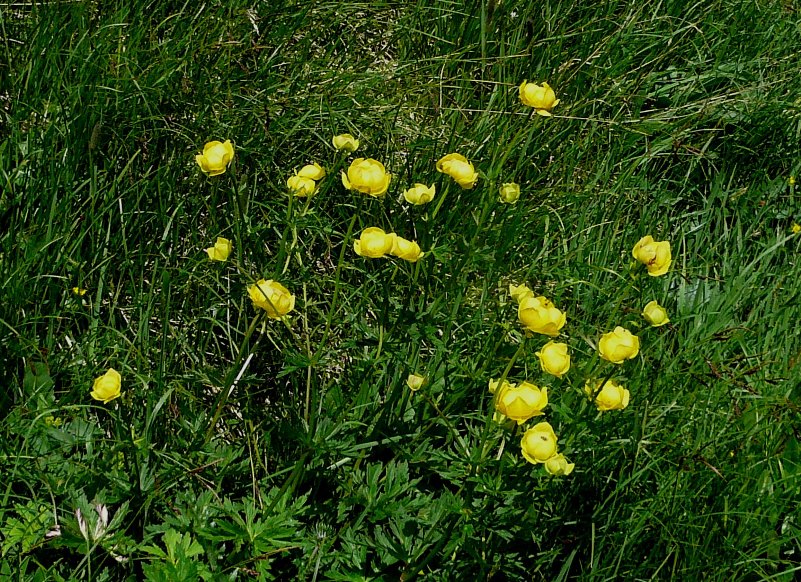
(540, 97)
(314, 171)
(539, 315)
(272, 297)
(520, 292)
(520, 402)
(415, 382)
(301, 186)
(457, 167)
(655, 314)
(554, 359)
(539, 443)
(612, 396)
(220, 250)
(367, 176)
(510, 193)
(107, 387)
(406, 250)
(346, 142)
(374, 243)
(419, 194)
(654, 255)
(216, 157)
(618, 345)
(558, 465)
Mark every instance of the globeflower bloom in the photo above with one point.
(367, 176)
(520, 292)
(301, 186)
(420, 194)
(539, 443)
(655, 314)
(415, 382)
(457, 167)
(554, 359)
(374, 243)
(314, 171)
(612, 396)
(406, 249)
(539, 315)
(558, 465)
(654, 255)
(216, 157)
(107, 387)
(220, 250)
(510, 193)
(346, 142)
(520, 402)
(541, 97)
(272, 297)
(618, 345)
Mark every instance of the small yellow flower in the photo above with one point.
(654, 255)
(415, 382)
(374, 243)
(493, 385)
(301, 186)
(791, 180)
(796, 228)
(457, 167)
(220, 250)
(346, 142)
(314, 171)
(520, 402)
(655, 314)
(540, 97)
(554, 359)
(107, 387)
(539, 315)
(510, 193)
(216, 157)
(406, 249)
(539, 443)
(79, 291)
(611, 397)
(272, 297)
(367, 176)
(520, 292)
(558, 465)
(619, 345)
(420, 194)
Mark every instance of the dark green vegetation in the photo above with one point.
(677, 119)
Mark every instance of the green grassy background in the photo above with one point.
(677, 119)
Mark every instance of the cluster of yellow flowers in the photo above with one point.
(374, 243)
(304, 182)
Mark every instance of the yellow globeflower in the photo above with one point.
(107, 387)
(510, 193)
(520, 292)
(301, 186)
(314, 171)
(558, 465)
(618, 345)
(655, 314)
(406, 249)
(346, 142)
(367, 176)
(220, 250)
(554, 359)
(612, 396)
(520, 402)
(374, 243)
(272, 297)
(540, 97)
(415, 382)
(654, 255)
(539, 443)
(420, 194)
(216, 157)
(539, 315)
(457, 167)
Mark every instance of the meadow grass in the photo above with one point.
(243, 446)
